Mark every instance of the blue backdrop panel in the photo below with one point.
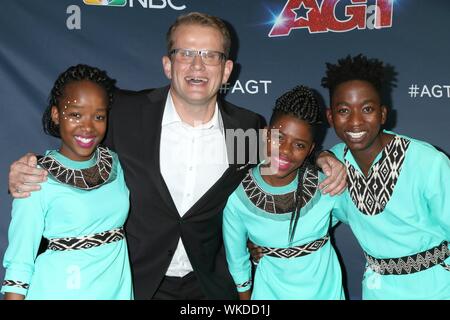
(278, 44)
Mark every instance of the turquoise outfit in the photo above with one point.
(262, 213)
(400, 209)
(99, 270)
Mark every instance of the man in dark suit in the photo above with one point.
(175, 145)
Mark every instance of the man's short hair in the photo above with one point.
(201, 19)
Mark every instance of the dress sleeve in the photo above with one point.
(338, 151)
(339, 209)
(339, 213)
(24, 237)
(437, 192)
(235, 239)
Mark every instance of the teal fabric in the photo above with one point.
(314, 276)
(57, 211)
(416, 218)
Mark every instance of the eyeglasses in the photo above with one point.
(209, 57)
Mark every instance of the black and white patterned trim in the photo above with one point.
(283, 203)
(86, 179)
(86, 242)
(371, 194)
(18, 284)
(298, 251)
(410, 264)
(243, 285)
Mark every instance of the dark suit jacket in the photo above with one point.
(154, 225)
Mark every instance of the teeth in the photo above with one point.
(356, 135)
(197, 80)
(284, 162)
(84, 140)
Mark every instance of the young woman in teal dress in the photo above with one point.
(279, 207)
(398, 200)
(80, 209)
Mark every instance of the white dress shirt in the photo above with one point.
(192, 159)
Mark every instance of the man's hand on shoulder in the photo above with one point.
(336, 181)
(25, 177)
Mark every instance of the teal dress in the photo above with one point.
(262, 213)
(94, 269)
(402, 208)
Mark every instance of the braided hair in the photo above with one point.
(74, 73)
(301, 103)
(354, 68)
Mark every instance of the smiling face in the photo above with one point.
(196, 84)
(357, 115)
(82, 118)
(291, 146)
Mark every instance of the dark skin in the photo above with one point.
(13, 296)
(293, 143)
(286, 153)
(356, 114)
(81, 116)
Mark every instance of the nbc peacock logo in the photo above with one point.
(112, 3)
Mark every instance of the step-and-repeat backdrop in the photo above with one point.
(277, 45)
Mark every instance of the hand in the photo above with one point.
(13, 296)
(336, 181)
(24, 177)
(246, 295)
(255, 252)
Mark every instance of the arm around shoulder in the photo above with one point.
(25, 176)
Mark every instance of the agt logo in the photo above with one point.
(244, 87)
(152, 4)
(317, 18)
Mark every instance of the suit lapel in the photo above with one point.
(230, 125)
(152, 117)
